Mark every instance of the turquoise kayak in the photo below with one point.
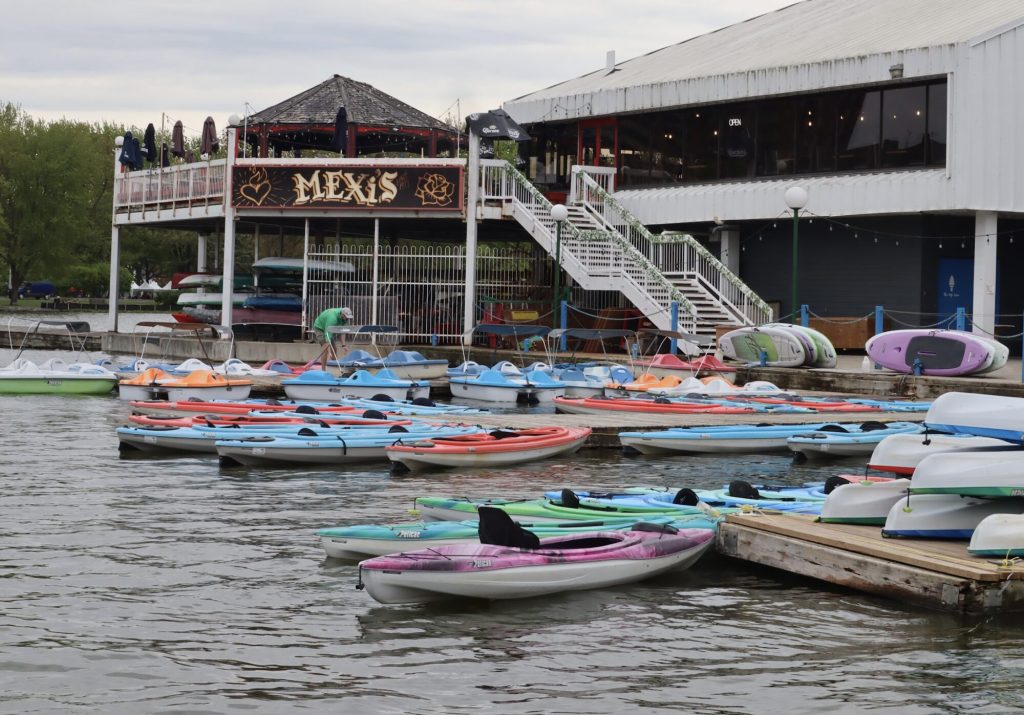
(544, 510)
(367, 540)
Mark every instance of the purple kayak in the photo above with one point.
(940, 352)
(559, 563)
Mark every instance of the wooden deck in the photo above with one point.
(935, 573)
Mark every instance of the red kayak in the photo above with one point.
(489, 449)
(592, 405)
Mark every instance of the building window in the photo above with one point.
(937, 124)
(776, 153)
(737, 125)
(904, 113)
(700, 145)
(859, 131)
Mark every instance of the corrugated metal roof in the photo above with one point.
(364, 103)
(808, 32)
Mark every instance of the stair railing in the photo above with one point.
(673, 253)
(597, 258)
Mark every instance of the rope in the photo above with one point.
(841, 322)
(896, 320)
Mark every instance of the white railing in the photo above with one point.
(172, 186)
(599, 259)
(674, 254)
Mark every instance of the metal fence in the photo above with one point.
(419, 287)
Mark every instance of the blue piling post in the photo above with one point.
(805, 317)
(764, 359)
(918, 366)
(879, 320)
(563, 320)
(634, 350)
(674, 314)
(433, 339)
(961, 319)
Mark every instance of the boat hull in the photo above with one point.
(999, 535)
(424, 458)
(326, 393)
(863, 502)
(935, 352)
(901, 453)
(980, 415)
(57, 385)
(494, 573)
(978, 474)
(780, 347)
(943, 516)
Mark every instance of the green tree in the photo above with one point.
(55, 195)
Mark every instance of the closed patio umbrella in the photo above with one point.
(339, 142)
(149, 142)
(209, 144)
(178, 139)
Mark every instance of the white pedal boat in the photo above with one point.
(943, 516)
(901, 453)
(864, 502)
(981, 474)
(1000, 535)
(979, 415)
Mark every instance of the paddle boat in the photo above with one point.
(511, 562)
(327, 448)
(980, 415)
(411, 365)
(932, 352)
(466, 368)
(667, 364)
(233, 367)
(577, 383)
(778, 347)
(997, 473)
(206, 385)
(943, 516)
(324, 386)
(722, 439)
(999, 535)
(494, 385)
(847, 440)
(363, 541)
(489, 449)
(901, 453)
(863, 502)
(55, 377)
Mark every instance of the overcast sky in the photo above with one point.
(129, 62)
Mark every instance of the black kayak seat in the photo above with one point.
(569, 499)
(373, 415)
(397, 428)
(872, 426)
(306, 410)
(381, 397)
(833, 483)
(832, 428)
(686, 497)
(424, 402)
(743, 490)
(499, 529)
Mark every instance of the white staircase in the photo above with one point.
(604, 247)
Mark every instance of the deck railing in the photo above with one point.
(171, 186)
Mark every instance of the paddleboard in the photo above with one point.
(824, 353)
(940, 352)
(781, 347)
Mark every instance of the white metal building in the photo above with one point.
(961, 59)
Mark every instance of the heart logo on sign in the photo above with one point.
(257, 188)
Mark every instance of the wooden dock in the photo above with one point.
(929, 572)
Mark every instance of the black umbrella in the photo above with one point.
(128, 155)
(149, 142)
(178, 139)
(209, 144)
(339, 142)
(136, 153)
(165, 155)
(496, 124)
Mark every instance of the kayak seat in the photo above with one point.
(307, 432)
(272, 401)
(656, 528)
(381, 397)
(686, 497)
(832, 428)
(833, 482)
(306, 410)
(871, 426)
(424, 402)
(499, 529)
(397, 428)
(503, 434)
(569, 499)
(373, 415)
(743, 490)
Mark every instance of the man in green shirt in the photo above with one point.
(328, 319)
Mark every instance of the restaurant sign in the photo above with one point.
(422, 188)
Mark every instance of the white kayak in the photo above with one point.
(943, 516)
(864, 502)
(999, 535)
(901, 453)
(980, 415)
(980, 474)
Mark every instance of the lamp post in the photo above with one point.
(796, 199)
(559, 213)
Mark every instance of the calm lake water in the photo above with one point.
(171, 585)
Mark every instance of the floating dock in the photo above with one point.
(938, 574)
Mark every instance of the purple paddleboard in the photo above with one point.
(941, 352)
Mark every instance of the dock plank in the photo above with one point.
(935, 573)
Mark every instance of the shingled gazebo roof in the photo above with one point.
(364, 103)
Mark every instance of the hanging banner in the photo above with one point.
(360, 188)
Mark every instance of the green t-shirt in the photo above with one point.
(328, 319)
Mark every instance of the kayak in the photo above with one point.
(488, 449)
(901, 453)
(598, 406)
(978, 474)
(999, 535)
(716, 440)
(943, 516)
(865, 502)
(851, 440)
(980, 415)
(508, 564)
